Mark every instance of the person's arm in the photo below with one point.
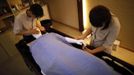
(28, 32)
(83, 36)
(96, 50)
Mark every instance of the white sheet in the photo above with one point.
(56, 56)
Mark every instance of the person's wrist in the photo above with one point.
(30, 31)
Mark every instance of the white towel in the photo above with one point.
(71, 40)
(37, 35)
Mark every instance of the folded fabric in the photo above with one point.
(71, 40)
(37, 35)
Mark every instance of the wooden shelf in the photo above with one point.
(6, 16)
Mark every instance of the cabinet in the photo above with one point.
(6, 15)
(5, 12)
(10, 8)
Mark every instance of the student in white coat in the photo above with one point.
(27, 23)
(104, 30)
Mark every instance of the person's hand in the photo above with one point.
(84, 48)
(42, 28)
(87, 50)
(35, 31)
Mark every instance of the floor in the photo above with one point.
(15, 65)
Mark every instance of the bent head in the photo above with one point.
(35, 11)
(100, 16)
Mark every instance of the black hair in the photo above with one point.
(36, 10)
(100, 16)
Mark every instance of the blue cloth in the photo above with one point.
(55, 56)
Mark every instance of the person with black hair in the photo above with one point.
(27, 23)
(104, 30)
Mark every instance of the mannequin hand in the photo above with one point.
(35, 31)
(42, 28)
